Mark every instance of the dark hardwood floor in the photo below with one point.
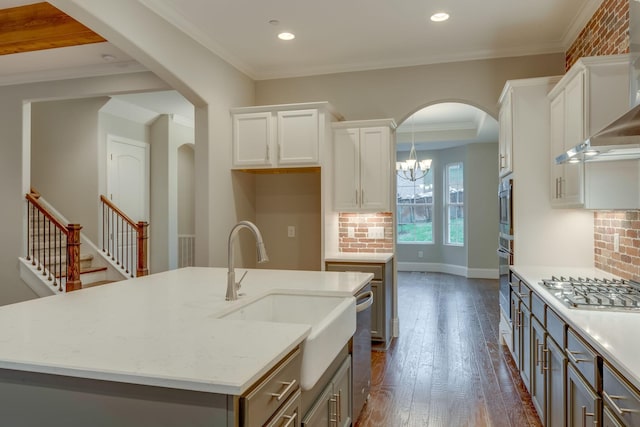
(447, 367)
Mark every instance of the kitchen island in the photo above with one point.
(153, 345)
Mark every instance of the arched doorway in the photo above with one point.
(447, 218)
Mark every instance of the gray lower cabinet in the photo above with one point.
(382, 287)
(621, 402)
(555, 366)
(538, 377)
(583, 403)
(333, 407)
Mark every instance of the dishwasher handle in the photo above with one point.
(368, 301)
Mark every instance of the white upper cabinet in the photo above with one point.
(298, 138)
(593, 93)
(505, 137)
(362, 165)
(279, 136)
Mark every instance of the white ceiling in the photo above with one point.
(332, 36)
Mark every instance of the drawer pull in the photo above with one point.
(285, 391)
(573, 358)
(291, 419)
(545, 363)
(523, 296)
(611, 400)
(333, 417)
(338, 406)
(586, 414)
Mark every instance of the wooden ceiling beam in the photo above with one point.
(40, 26)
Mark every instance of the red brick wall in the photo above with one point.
(360, 224)
(607, 33)
(626, 261)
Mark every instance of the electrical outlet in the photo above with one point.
(291, 231)
(420, 254)
(375, 233)
(351, 232)
(616, 242)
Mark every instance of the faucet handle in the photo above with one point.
(240, 281)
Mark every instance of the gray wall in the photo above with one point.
(64, 158)
(186, 189)
(398, 92)
(290, 199)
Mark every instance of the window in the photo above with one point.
(454, 204)
(415, 209)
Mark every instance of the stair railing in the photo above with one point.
(52, 247)
(124, 240)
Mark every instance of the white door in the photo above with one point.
(128, 176)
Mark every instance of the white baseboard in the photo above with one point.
(458, 270)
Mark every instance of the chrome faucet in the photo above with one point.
(232, 285)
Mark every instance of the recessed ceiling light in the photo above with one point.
(108, 58)
(439, 17)
(286, 36)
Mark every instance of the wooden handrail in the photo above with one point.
(121, 249)
(118, 211)
(44, 255)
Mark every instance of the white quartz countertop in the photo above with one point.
(612, 333)
(161, 330)
(376, 258)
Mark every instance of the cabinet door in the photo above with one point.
(252, 136)
(556, 140)
(555, 363)
(608, 419)
(505, 136)
(525, 330)
(377, 311)
(342, 394)
(516, 328)
(538, 390)
(582, 403)
(321, 414)
(298, 137)
(573, 185)
(346, 163)
(374, 168)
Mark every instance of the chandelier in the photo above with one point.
(413, 169)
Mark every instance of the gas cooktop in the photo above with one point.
(595, 293)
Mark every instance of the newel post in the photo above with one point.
(73, 258)
(143, 237)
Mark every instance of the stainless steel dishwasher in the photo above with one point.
(361, 352)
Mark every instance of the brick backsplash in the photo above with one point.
(607, 33)
(626, 261)
(360, 224)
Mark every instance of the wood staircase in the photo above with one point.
(54, 251)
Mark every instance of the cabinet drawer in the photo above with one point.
(537, 308)
(376, 269)
(270, 393)
(620, 397)
(555, 327)
(583, 358)
(289, 415)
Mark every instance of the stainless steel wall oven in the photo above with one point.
(505, 241)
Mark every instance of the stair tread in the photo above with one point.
(92, 269)
(98, 283)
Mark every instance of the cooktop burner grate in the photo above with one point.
(595, 293)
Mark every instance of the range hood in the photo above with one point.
(620, 140)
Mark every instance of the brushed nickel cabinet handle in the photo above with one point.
(586, 414)
(291, 419)
(571, 356)
(611, 401)
(288, 387)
